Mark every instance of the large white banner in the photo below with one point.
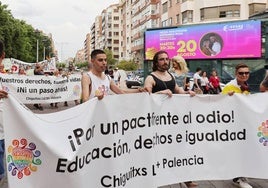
(42, 89)
(137, 140)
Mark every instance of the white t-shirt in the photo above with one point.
(197, 76)
(99, 85)
(204, 81)
(116, 75)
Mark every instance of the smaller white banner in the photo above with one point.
(42, 89)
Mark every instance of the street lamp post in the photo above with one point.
(37, 49)
(44, 53)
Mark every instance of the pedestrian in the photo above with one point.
(95, 83)
(215, 82)
(161, 80)
(204, 82)
(3, 94)
(197, 81)
(21, 71)
(180, 70)
(117, 76)
(239, 85)
(264, 83)
(38, 70)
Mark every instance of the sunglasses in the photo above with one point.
(243, 73)
(163, 59)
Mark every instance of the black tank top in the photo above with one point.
(163, 85)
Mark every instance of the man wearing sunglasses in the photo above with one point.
(239, 85)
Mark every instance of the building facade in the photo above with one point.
(122, 25)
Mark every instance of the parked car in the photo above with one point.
(134, 81)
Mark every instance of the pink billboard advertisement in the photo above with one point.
(241, 39)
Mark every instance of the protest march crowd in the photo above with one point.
(169, 76)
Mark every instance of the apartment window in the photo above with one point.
(116, 33)
(178, 1)
(165, 23)
(116, 17)
(209, 13)
(116, 41)
(227, 11)
(165, 7)
(116, 25)
(170, 21)
(236, 13)
(187, 16)
(256, 8)
(170, 3)
(178, 18)
(220, 12)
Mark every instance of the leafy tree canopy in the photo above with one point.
(21, 39)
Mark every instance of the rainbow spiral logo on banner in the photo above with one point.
(263, 133)
(22, 158)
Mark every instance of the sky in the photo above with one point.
(68, 21)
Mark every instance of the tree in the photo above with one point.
(127, 65)
(83, 65)
(20, 38)
(110, 58)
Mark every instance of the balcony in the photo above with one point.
(136, 36)
(155, 1)
(137, 48)
(154, 16)
(143, 20)
(135, 2)
(136, 24)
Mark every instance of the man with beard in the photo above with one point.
(95, 83)
(160, 80)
